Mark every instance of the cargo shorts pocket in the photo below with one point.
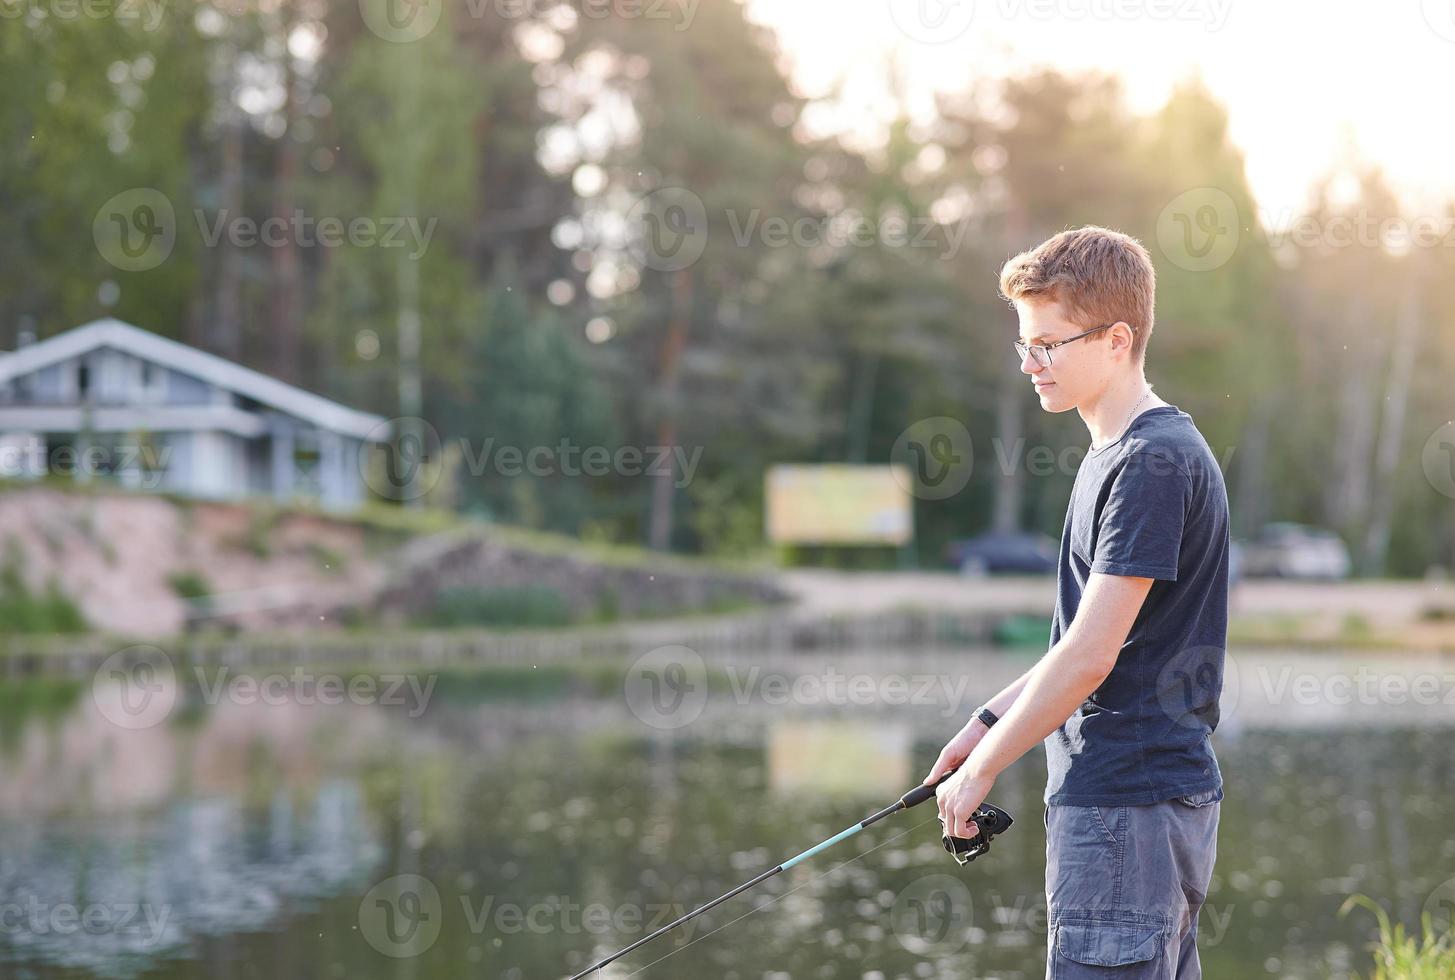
(1106, 942)
(1202, 799)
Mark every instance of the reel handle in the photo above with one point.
(990, 822)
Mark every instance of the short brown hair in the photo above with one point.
(1096, 274)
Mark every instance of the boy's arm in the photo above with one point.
(958, 748)
(1055, 687)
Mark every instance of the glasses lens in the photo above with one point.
(1038, 354)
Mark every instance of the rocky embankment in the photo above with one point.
(150, 566)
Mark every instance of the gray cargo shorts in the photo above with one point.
(1124, 885)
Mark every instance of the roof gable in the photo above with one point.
(215, 370)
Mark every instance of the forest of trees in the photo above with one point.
(524, 135)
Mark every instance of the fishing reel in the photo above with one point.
(990, 821)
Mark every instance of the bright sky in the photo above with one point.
(1303, 81)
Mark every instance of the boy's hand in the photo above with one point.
(959, 797)
(957, 750)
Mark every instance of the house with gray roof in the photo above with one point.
(110, 401)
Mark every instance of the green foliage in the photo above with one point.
(509, 607)
(193, 587)
(757, 352)
(258, 539)
(23, 611)
(189, 585)
(328, 560)
(1401, 956)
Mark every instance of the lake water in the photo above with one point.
(518, 824)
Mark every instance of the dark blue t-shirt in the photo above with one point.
(1151, 504)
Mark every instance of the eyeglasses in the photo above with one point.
(1041, 353)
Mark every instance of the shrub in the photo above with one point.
(527, 606)
(1400, 956)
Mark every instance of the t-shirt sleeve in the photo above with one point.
(1140, 529)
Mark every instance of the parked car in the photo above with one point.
(997, 553)
(1297, 551)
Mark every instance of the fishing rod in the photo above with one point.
(990, 821)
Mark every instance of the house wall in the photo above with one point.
(203, 462)
(219, 465)
(113, 378)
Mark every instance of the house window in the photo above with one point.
(83, 380)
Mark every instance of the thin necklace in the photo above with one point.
(1130, 416)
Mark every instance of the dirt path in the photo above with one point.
(1378, 602)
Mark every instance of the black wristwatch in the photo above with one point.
(986, 717)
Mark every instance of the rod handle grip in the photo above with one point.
(924, 791)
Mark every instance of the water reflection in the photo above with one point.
(539, 824)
